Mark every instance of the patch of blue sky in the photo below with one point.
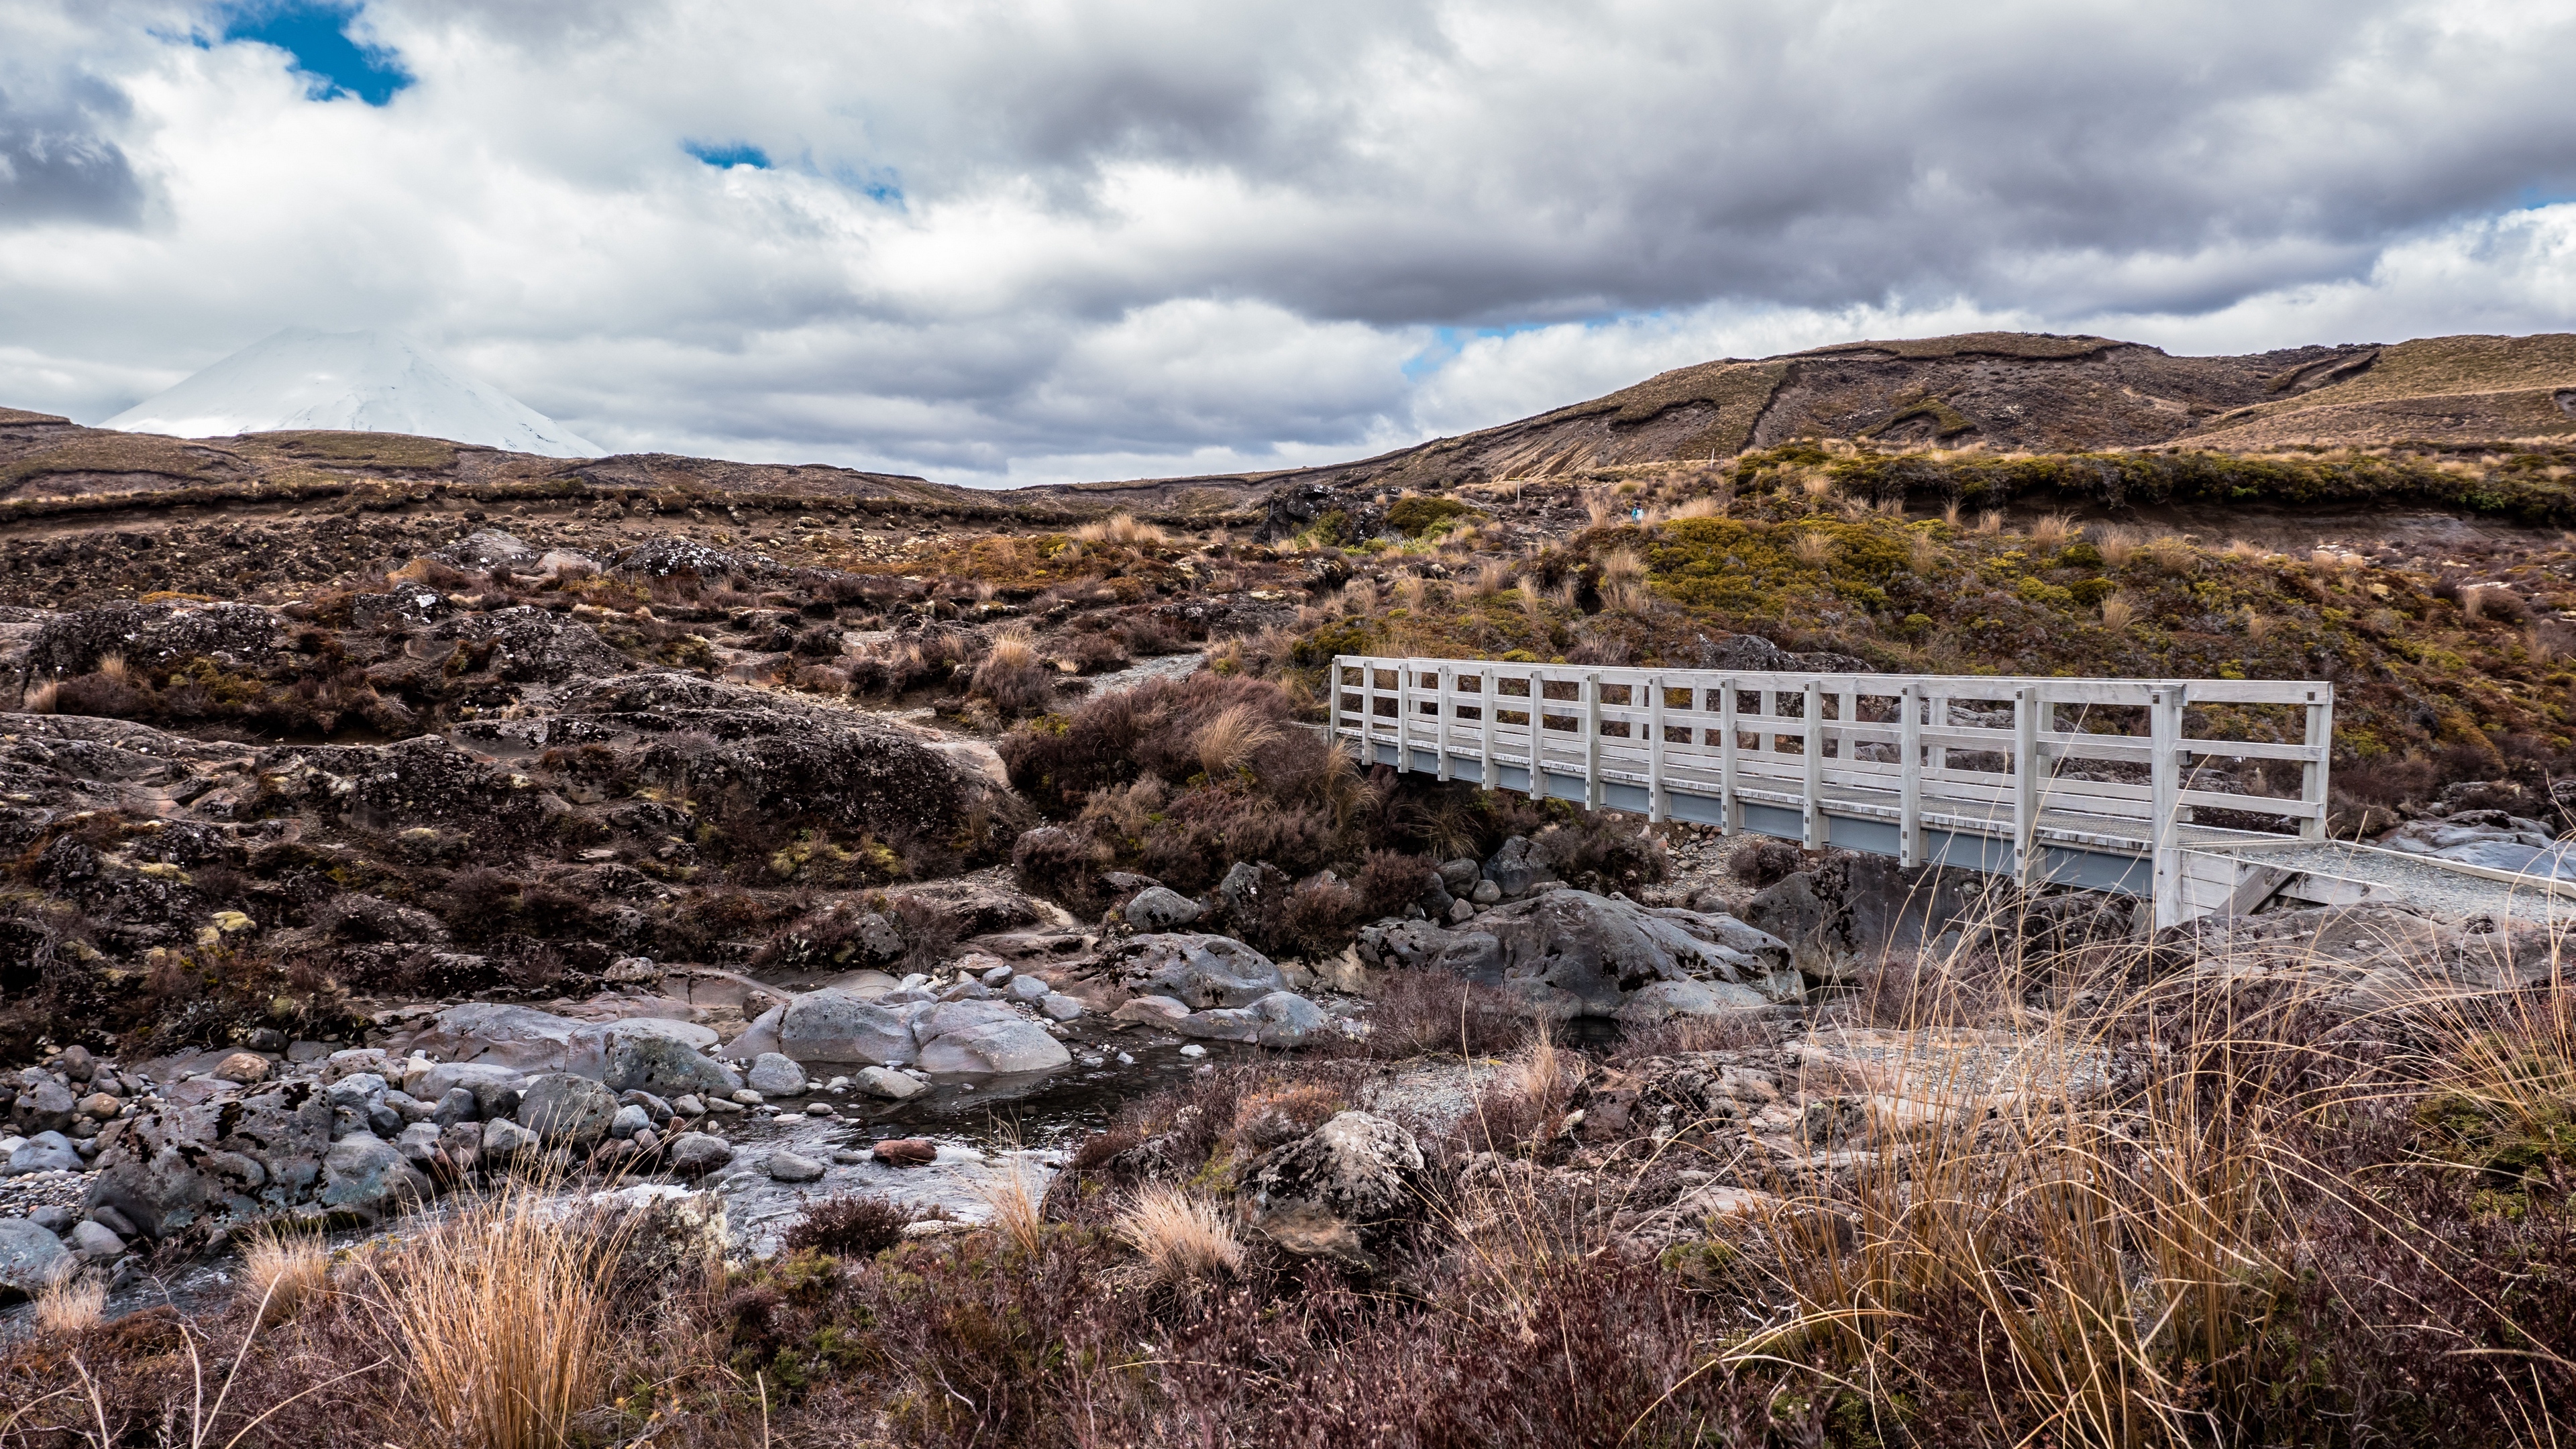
(1447, 342)
(316, 34)
(731, 154)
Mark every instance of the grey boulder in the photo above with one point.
(45, 1152)
(774, 1074)
(887, 1083)
(1569, 953)
(168, 1165)
(695, 1154)
(833, 1025)
(1338, 1191)
(1160, 908)
(1281, 1019)
(1199, 971)
(985, 1037)
(792, 1167)
(31, 1258)
(370, 1177)
(567, 1111)
(662, 1064)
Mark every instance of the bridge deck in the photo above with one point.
(2086, 782)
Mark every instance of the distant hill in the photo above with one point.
(2010, 391)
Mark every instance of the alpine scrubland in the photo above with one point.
(513, 951)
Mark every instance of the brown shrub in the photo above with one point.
(849, 1225)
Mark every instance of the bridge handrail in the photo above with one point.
(1617, 723)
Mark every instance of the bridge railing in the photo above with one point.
(2026, 762)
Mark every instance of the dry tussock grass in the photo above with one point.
(1120, 528)
(71, 1305)
(1182, 1237)
(281, 1272)
(504, 1312)
(1233, 738)
(2118, 543)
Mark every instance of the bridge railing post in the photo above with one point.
(1485, 720)
(2312, 774)
(1403, 716)
(1813, 787)
(1592, 742)
(1655, 811)
(1448, 704)
(1909, 846)
(2164, 721)
(2026, 708)
(1730, 811)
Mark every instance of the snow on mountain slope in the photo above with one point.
(368, 382)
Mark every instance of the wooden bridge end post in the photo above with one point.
(1592, 742)
(2312, 774)
(1403, 716)
(1485, 718)
(1812, 797)
(1537, 734)
(1447, 705)
(2025, 767)
(1730, 812)
(2164, 720)
(1655, 809)
(1909, 845)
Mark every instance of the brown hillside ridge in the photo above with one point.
(2008, 391)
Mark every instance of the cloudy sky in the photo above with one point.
(1020, 243)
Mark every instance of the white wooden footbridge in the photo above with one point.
(2085, 782)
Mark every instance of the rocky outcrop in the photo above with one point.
(2489, 838)
(169, 1165)
(1568, 953)
(1337, 1192)
(1199, 971)
(1848, 911)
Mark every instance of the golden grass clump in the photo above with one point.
(282, 1272)
(504, 1313)
(1950, 513)
(1014, 1208)
(42, 698)
(1181, 1236)
(1622, 567)
(1233, 738)
(2258, 627)
(1990, 521)
(1533, 600)
(1492, 577)
(71, 1304)
(1704, 506)
(2119, 543)
(1813, 549)
(2243, 549)
(1921, 553)
(2171, 552)
(2053, 530)
(1012, 649)
(1410, 591)
(113, 666)
(1120, 528)
(1360, 598)
(2119, 612)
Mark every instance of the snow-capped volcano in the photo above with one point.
(367, 382)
